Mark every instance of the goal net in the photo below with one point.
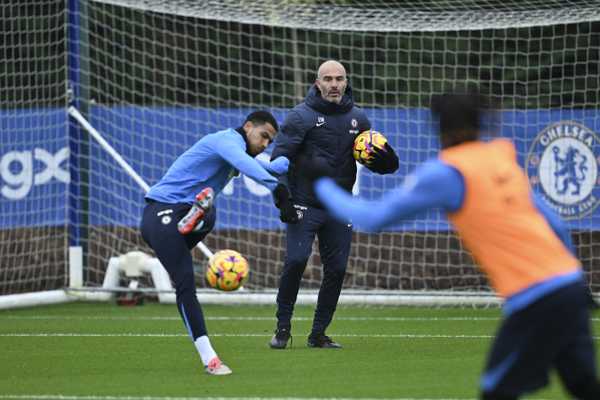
(154, 76)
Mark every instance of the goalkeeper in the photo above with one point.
(180, 211)
(522, 246)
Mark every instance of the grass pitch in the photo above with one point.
(105, 352)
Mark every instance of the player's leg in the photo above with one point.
(335, 239)
(531, 341)
(193, 219)
(576, 362)
(299, 240)
(201, 231)
(159, 229)
(202, 343)
(577, 369)
(521, 355)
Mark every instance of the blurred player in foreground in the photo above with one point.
(180, 212)
(522, 246)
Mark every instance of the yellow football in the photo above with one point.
(364, 143)
(227, 270)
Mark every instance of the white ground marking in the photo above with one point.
(70, 397)
(241, 318)
(174, 335)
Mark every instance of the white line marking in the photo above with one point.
(216, 318)
(174, 335)
(92, 397)
(177, 335)
(234, 318)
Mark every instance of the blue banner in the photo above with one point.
(559, 150)
(34, 173)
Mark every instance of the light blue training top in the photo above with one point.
(212, 162)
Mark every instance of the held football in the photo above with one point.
(364, 144)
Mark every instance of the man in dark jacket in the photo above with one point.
(317, 137)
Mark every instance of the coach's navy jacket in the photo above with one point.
(319, 129)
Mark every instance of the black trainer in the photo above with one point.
(322, 341)
(280, 338)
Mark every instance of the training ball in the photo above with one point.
(363, 145)
(227, 270)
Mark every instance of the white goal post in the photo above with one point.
(136, 82)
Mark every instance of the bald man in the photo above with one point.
(319, 133)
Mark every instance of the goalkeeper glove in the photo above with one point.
(192, 221)
(283, 201)
(385, 160)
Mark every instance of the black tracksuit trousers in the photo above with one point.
(334, 248)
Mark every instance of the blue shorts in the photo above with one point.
(553, 332)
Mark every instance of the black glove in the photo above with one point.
(313, 167)
(283, 201)
(385, 160)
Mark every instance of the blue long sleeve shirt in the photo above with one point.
(211, 162)
(433, 184)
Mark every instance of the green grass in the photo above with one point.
(106, 352)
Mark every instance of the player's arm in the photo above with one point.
(237, 157)
(555, 222)
(433, 184)
(278, 166)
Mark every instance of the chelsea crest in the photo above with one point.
(562, 165)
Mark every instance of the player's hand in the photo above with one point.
(385, 160)
(279, 165)
(283, 201)
(314, 167)
(288, 213)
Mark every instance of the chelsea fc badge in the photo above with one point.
(562, 165)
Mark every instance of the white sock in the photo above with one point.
(205, 350)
